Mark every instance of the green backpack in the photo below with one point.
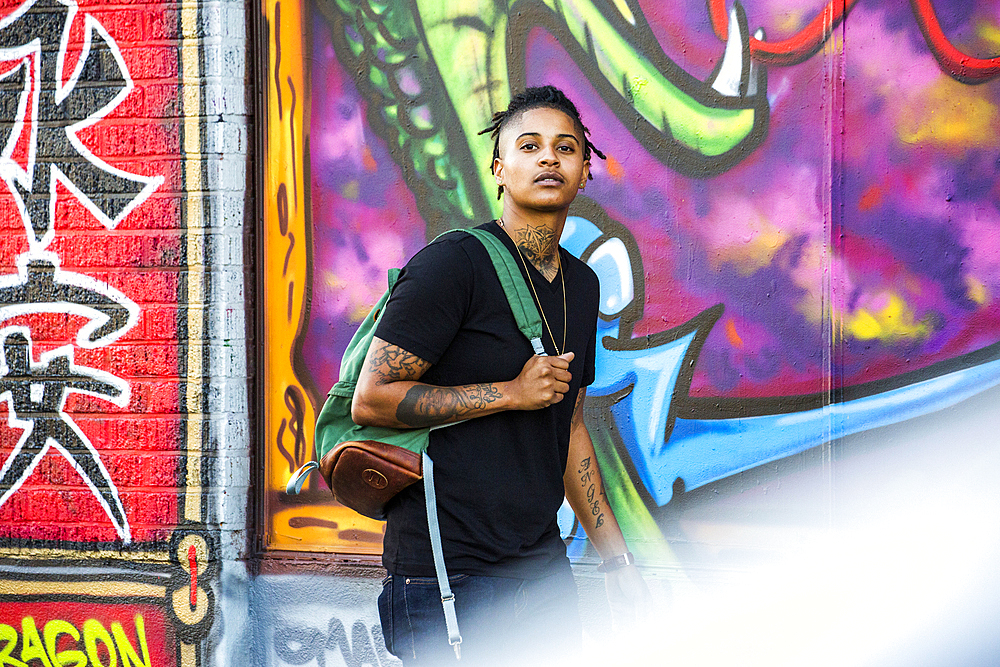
(365, 466)
(334, 425)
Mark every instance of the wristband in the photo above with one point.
(616, 563)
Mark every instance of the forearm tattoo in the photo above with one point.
(390, 363)
(539, 246)
(425, 405)
(578, 408)
(589, 480)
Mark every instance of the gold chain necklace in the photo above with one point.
(531, 284)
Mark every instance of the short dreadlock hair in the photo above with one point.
(533, 98)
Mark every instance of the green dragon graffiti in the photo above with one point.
(434, 72)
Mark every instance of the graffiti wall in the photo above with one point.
(115, 383)
(795, 230)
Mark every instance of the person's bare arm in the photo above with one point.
(627, 591)
(389, 392)
(585, 489)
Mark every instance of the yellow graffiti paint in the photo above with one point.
(751, 249)
(893, 322)
(623, 9)
(126, 650)
(83, 589)
(333, 528)
(791, 21)
(31, 643)
(289, 415)
(94, 632)
(101, 648)
(989, 32)
(67, 658)
(976, 290)
(351, 190)
(8, 635)
(949, 115)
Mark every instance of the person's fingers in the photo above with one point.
(562, 375)
(562, 361)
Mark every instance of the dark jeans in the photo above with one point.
(503, 621)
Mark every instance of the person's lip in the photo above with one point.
(549, 176)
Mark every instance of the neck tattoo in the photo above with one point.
(539, 246)
(538, 302)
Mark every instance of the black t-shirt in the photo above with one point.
(499, 477)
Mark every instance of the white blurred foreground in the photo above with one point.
(884, 552)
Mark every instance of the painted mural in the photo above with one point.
(315, 620)
(105, 555)
(100, 645)
(795, 229)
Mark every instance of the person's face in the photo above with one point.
(541, 165)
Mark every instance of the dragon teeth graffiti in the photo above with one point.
(738, 75)
(37, 40)
(695, 127)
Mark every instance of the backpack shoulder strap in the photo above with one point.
(521, 303)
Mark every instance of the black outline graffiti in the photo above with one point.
(390, 110)
(36, 36)
(42, 287)
(36, 395)
(528, 14)
(681, 403)
(438, 211)
(587, 208)
(98, 84)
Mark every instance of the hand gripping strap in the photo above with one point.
(447, 597)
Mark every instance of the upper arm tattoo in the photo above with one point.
(390, 363)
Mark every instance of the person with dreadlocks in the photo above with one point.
(447, 349)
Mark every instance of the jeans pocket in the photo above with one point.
(432, 581)
(385, 613)
(420, 622)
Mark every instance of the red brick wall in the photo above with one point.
(142, 257)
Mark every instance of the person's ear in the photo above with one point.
(586, 174)
(498, 175)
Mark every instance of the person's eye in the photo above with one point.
(527, 146)
(565, 148)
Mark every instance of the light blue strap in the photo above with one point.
(294, 486)
(447, 597)
(536, 345)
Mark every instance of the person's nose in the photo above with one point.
(547, 156)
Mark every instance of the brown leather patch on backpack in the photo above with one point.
(365, 475)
